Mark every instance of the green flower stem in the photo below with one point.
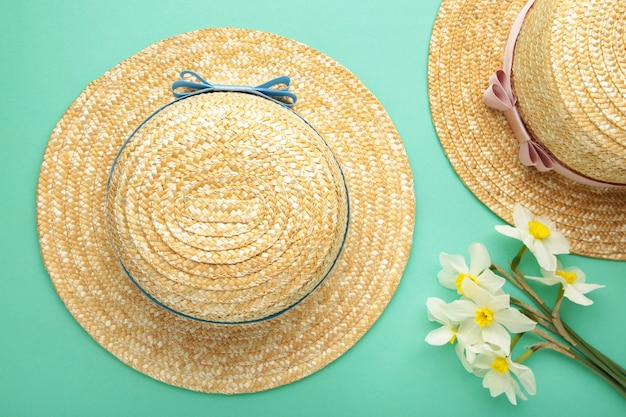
(582, 350)
(521, 281)
(529, 291)
(602, 362)
(571, 353)
(595, 356)
(556, 317)
(525, 355)
(584, 345)
(550, 319)
(518, 257)
(552, 346)
(617, 384)
(562, 348)
(509, 277)
(516, 337)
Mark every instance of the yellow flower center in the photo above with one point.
(538, 230)
(484, 317)
(500, 365)
(453, 338)
(568, 276)
(459, 281)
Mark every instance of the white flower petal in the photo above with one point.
(440, 336)
(557, 243)
(479, 258)
(483, 361)
(469, 333)
(512, 391)
(435, 309)
(471, 352)
(454, 263)
(528, 240)
(480, 296)
(497, 335)
(525, 375)
(447, 279)
(584, 288)
(574, 295)
(460, 353)
(459, 310)
(509, 231)
(499, 302)
(518, 392)
(545, 258)
(544, 280)
(513, 320)
(521, 216)
(490, 281)
(497, 383)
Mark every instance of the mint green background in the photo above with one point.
(49, 366)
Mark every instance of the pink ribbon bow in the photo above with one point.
(499, 96)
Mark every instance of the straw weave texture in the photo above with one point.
(570, 80)
(82, 235)
(571, 92)
(222, 216)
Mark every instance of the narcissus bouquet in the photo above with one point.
(485, 323)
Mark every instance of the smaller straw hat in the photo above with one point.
(529, 102)
(227, 236)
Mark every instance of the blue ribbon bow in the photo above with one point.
(267, 90)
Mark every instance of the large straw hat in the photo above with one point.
(221, 241)
(568, 75)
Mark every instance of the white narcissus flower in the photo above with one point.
(497, 371)
(573, 281)
(539, 234)
(465, 345)
(488, 316)
(455, 270)
(449, 332)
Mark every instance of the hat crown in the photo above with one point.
(570, 82)
(226, 208)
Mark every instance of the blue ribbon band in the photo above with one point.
(270, 90)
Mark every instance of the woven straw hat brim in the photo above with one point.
(204, 356)
(466, 48)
